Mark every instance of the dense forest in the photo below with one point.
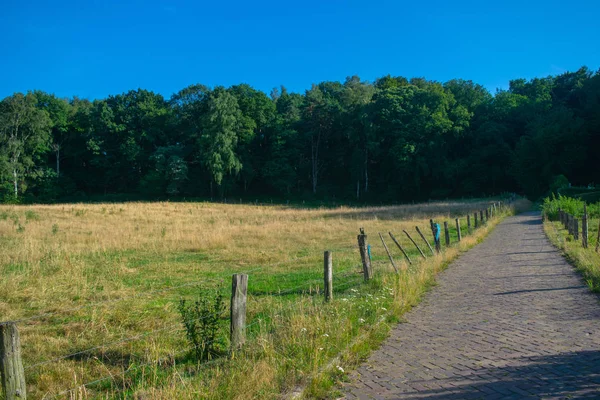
(396, 139)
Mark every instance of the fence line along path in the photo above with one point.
(510, 319)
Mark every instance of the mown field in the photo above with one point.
(95, 289)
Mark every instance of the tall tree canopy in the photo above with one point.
(396, 139)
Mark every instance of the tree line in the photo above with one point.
(395, 139)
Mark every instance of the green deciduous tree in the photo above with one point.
(24, 138)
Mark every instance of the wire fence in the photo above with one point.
(345, 279)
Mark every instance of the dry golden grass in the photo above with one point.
(63, 259)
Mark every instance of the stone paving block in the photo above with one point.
(509, 319)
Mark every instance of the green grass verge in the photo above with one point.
(586, 261)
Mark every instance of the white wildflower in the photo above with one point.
(340, 369)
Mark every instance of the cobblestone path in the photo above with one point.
(510, 319)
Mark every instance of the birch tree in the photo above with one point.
(24, 137)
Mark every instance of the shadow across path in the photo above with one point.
(504, 322)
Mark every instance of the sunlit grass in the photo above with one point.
(117, 258)
(587, 261)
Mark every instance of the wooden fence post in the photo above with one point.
(469, 224)
(584, 227)
(458, 229)
(481, 217)
(388, 253)
(475, 217)
(11, 365)
(436, 240)
(239, 291)
(415, 243)
(400, 247)
(425, 240)
(575, 228)
(598, 239)
(328, 275)
(570, 225)
(432, 229)
(559, 215)
(446, 233)
(364, 255)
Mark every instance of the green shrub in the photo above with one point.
(201, 322)
(31, 215)
(571, 205)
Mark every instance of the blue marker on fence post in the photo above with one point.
(369, 251)
(438, 229)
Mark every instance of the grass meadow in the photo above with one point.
(94, 289)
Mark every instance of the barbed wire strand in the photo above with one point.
(112, 301)
(137, 337)
(166, 289)
(112, 376)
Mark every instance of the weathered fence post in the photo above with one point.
(458, 229)
(446, 233)
(415, 243)
(475, 218)
(11, 365)
(570, 227)
(481, 217)
(328, 275)
(388, 252)
(598, 239)
(364, 255)
(400, 247)
(584, 227)
(575, 228)
(436, 236)
(425, 240)
(559, 215)
(239, 291)
(469, 224)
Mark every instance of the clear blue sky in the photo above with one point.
(95, 48)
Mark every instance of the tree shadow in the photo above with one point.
(541, 290)
(573, 375)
